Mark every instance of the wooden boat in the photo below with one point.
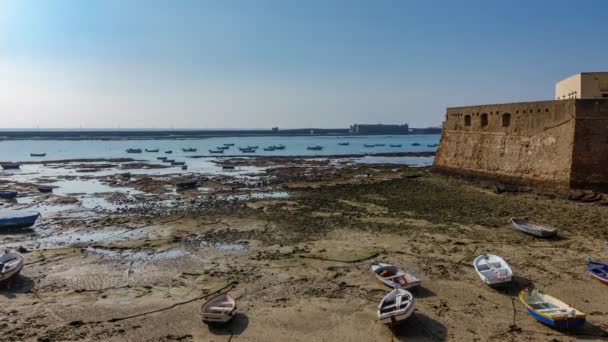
(152, 151)
(533, 229)
(344, 143)
(315, 148)
(216, 151)
(10, 166)
(393, 276)
(598, 271)
(37, 154)
(134, 150)
(492, 269)
(168, 152)
(396, 307)
(45, 189)
(187, 184)
(189, 149)
(219, 309)
(176, 163)
(7, 194)
(415, 144)
(11, 264)
(396, 145)
(17, 218)
(550, 310)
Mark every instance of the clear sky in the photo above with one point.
(305, 63)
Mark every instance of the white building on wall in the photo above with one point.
(586, 85)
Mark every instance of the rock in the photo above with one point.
(286, 250)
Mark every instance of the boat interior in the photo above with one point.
(392, 273)
(394, 304)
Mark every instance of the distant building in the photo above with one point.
(379, 129)
(557, 145)
(586, 85)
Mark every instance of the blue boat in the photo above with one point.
(598, 271)
(17, 218)
(550, 310)
(8, 194)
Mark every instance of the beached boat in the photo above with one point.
(395, 145)
(216, 151)
(168, 152)
(152, 151)
(598, 271)
(396, 306)
(187, 184)
(161, 158)
(550, 310)
(176, 163)
(432, 145)
(11, 264)
(533, 229)
(315, 148)
(415, 144)
(134, 150)
(368, 145)
(37, 154)
(219, 309)
(344, 143)
(7, 194)
(45, 189)
(189, 149)
(17, 218)
(493, 270)
(393, 276)
(10, 166)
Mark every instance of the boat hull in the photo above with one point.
(396, 319)
(562, 323)
(10, 166)
(19, 222)
(598, 271)
(6, 277)
(8, 194)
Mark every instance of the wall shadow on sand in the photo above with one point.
(421, 327)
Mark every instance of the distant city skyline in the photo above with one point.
(292, 64)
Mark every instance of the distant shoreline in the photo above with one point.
(188, 134)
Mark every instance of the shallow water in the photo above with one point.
(19, 150)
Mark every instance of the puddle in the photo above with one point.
(127, 254)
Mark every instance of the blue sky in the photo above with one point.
(246, 64)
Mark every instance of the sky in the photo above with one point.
(210, 64)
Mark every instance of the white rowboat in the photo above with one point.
(393, 276)
(219, 309)
(396, 307)
(11, 264)
(492, 269)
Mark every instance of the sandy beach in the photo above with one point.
(292, 241)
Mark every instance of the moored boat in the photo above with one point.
(219, 309)
(396, 145)
(168, 161)
(168, 152)
(17, 218)
(396, 306)
(533, 229)
(393, 276)
(10, 166)
(493, 270)
(7, 194)
(176, 163)
(315, 148)
(228, 145)
(344, 143)
(380, 145)
(368, 145)
(598, 271)
(11, 264)
(152, 151)
(189, 149)
(415, 144)
(248, 150)
(37, 154)
(216, 151)
(550, 310)
(134, 150)
(432, 145)
(278, 147)
(161, 158)
(269, 149)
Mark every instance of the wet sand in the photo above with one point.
(293, 242)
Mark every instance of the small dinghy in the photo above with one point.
(176, 163)
(533, 229)
(189, 149)
(598, 271)
(17, 218)
(37, 154)
(216, 151)
(6, 194)
(134, 150)
(10, 166)
(396, 145)
(393, 276)
(152, 151)
(344, 143)
(396, 307)
(550, 310)
(168, 152)
(11, 264)
(493, 270)
(161, 158)
(219, 309)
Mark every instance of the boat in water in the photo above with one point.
(219, 309)
(432, 145)
(134, 150)
(216, 151)
(493, 270)
(168, 152)
(228, 145)
(368, 145)
(393, 276)
(315, 148)
(10, 166)
(17, 218)
(161, 158)
(533, 229)
(396, 145)
(189, 149)
(269, 149)
(169, 161)
(7, 194)
(396, 307)
(380, 145)
(344, 143)
(37, 154)
(248, 150)
(598, 271)
(278, 147)
(550, 310)
(177, 163)
(11, 264)
(415, 144)
(152, 151)
(228, 167)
